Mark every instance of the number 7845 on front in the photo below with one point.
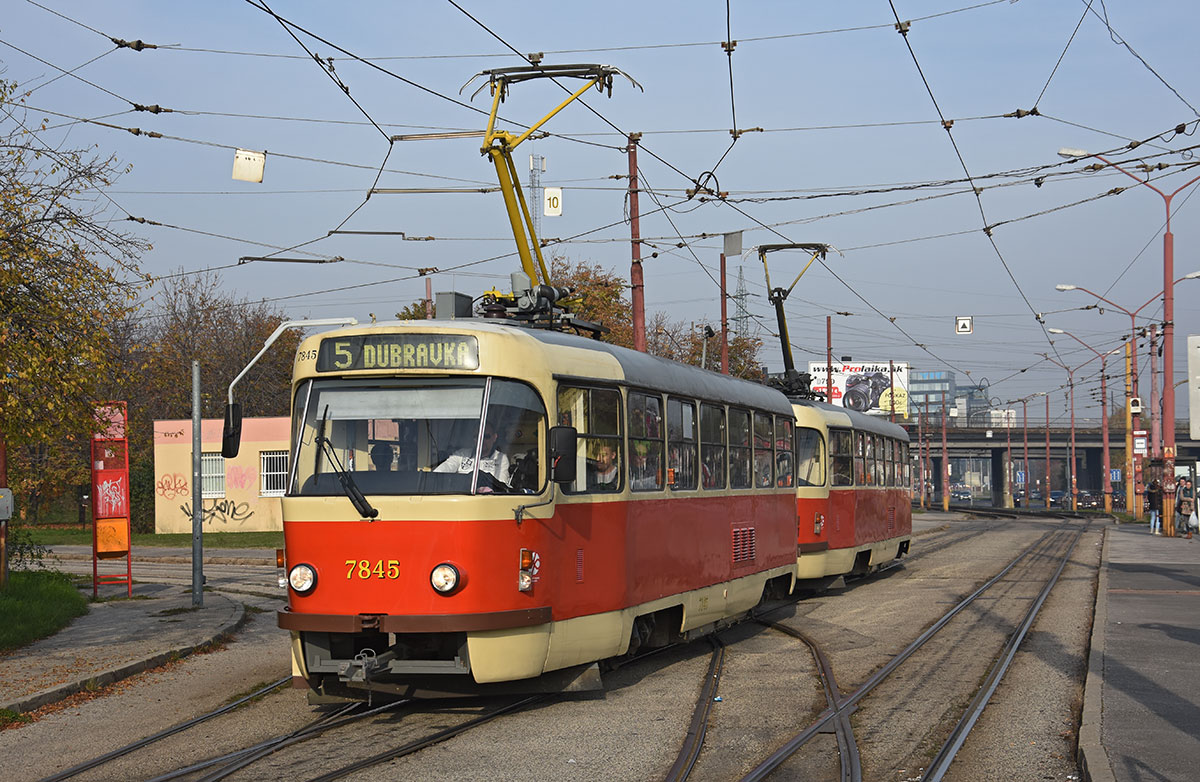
(365, 569)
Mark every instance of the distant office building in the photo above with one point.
(926, 389)
(973, 406)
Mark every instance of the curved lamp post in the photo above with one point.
(1168, 328)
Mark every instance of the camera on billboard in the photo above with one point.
(863, 390)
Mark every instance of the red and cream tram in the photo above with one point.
(472, 503)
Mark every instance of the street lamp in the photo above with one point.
(1131, 480)
(1106, 482)
(1168, 330)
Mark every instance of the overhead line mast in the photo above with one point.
(499, 145)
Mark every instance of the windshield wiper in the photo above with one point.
(357, 498)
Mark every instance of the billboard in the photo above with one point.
(865, 387)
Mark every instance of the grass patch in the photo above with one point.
(35, 605)
(63, 536)
(176, 611)
(10, 717)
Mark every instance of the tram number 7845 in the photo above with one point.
(363, 568)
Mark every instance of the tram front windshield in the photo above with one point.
(417, 437)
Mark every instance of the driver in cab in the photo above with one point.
(492, 461)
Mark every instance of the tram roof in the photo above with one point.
(639, 369)
(645, 370)
(867, 423)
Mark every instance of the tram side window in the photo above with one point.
(810, 458)
(783, 453)
(860, 466)
(889, 454)
(739, 448)
(712, 447)
(764, 462)
(596, 415)
(881, 446)
(841, 452)
(681, 444)
(645, 442)
(903, 459)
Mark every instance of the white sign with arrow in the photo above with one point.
(963, 325)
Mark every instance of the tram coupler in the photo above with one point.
(365, 665)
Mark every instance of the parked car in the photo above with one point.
(960, 495)
(1056, 498)
(1087, 500)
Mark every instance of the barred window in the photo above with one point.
(212, 476)
(273, 467)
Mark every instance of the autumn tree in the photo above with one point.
(191, 318)
(413, 311)
(67, 275)
(601, 298)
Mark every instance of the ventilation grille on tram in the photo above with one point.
(891, 520)
(744, 544)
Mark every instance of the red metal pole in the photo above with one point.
(1107, 480)
(1025, 427)
(945, 461)
(1046, 493)
(1155, 410)
(891, 385)
(428, 298)
(1074, 483)
(921, 453)
(1008, 439)
(1168, 413)
(829, 359)
(635, 271)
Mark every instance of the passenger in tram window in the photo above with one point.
(645, 472)
(382, 456)
(492, 460)
(783, 469)
(603, 472)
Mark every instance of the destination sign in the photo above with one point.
(398, 351)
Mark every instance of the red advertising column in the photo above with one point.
(111, 533)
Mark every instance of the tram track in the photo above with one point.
(1030, 556)
(1041, 562)
(108, 757)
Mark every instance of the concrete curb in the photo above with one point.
(105, 678)
(1090, 754)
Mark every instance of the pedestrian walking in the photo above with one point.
(1185, 505)
(1154, 495)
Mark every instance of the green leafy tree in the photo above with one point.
(67, 275)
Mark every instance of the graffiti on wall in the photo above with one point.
(171, 486)
(214, 512)
(239, 477)
(110, 498)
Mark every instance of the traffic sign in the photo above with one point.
(1114, 475)
(1020, 476)
(964, 324)
(553, 202)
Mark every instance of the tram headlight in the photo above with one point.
(444, 578)
(303, 578)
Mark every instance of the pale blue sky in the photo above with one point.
(792, 77)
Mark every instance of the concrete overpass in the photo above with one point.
(974, 443)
